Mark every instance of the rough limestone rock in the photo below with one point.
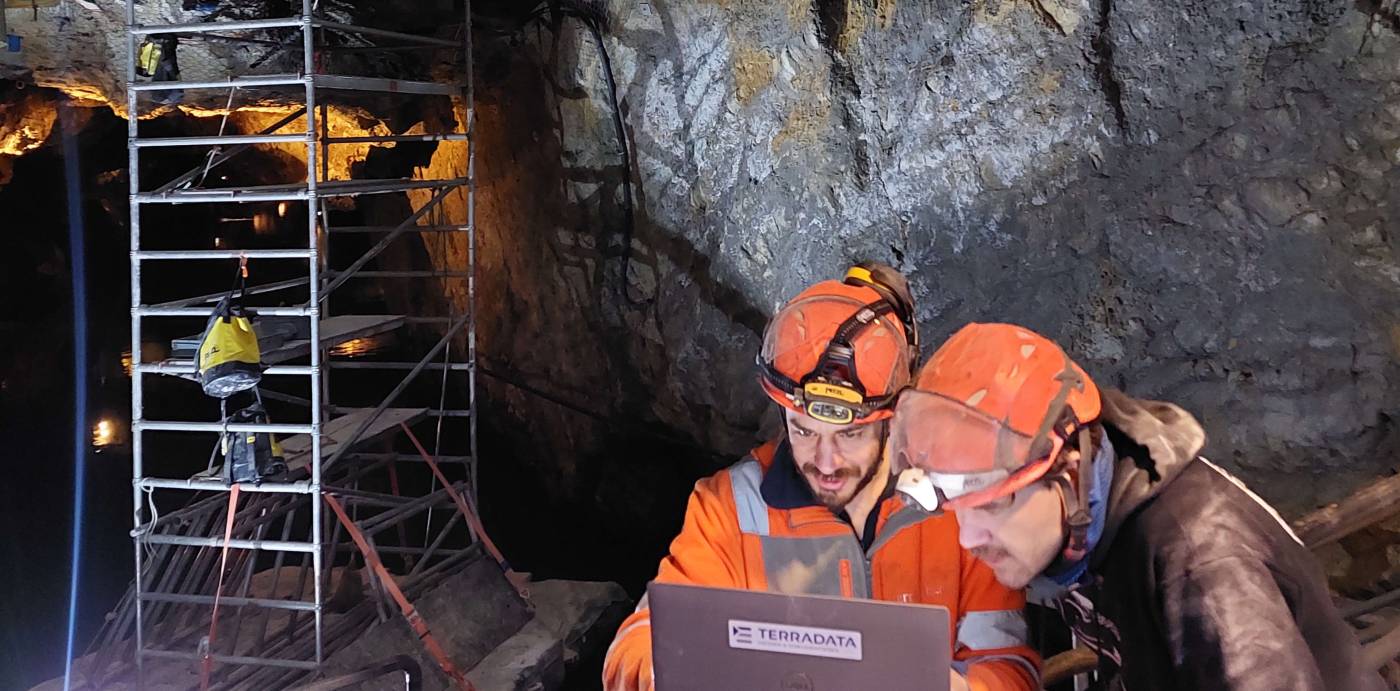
(1195, 198)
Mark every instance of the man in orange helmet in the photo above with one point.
(1171, 570)
(815, 513)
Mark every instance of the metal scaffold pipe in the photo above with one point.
(204, 554)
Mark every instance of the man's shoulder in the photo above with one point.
(721, 477)
(1205, 514)
(744, 474)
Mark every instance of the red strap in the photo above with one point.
(459, 500)
(410, 613)
(520, 581)
(403, 530)
(207, 664)
(393, 480)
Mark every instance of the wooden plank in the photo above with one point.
(296, 449)
(272, 333)
(1067, 665)
(1369, 505)
(1376, 654)
(334, 331)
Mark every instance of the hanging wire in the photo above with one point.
(155, 518)
(437, 217)
(440, 219)
(209, 161)
(596, 22)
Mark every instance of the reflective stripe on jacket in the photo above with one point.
(756, 526)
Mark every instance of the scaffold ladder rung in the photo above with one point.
(209, 27)
(223, 140)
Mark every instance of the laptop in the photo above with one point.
(706, 639)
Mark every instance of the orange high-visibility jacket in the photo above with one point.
(756, 526)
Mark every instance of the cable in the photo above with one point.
(596, 22)
(155, 522)
(438, 217)
(80, 432)
(209, 162)
(629, 209)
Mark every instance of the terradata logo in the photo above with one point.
(840, 644)
(740, 633)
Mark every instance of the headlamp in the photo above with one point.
(832, 402)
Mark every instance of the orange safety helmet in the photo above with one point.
(842, 350)
(988, 415)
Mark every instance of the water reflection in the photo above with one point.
(364, 346)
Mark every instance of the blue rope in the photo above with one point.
(80, 431)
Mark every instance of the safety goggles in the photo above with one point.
(950, 455)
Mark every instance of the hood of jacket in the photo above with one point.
(1154, 441)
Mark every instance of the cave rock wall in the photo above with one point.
(1194, 197)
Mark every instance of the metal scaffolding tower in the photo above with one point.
(268, 561)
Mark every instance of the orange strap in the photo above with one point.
(393, 480)
(207, 664)
(410, 613)
(403, 530)
(459, 500)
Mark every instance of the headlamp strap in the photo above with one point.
(779, 380)
(840, 344)
(848, 330)
(793, 388)
(859, 322)
(903, 310)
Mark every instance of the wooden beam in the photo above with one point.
(335, 331)
(296, 450)
(1380, 652)
(1068, 665)
(1368, 506)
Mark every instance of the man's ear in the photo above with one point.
(895, 465)
(1062, 483)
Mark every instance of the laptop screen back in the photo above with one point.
(705, 639)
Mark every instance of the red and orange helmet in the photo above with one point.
(842, 350)
(988, 415)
